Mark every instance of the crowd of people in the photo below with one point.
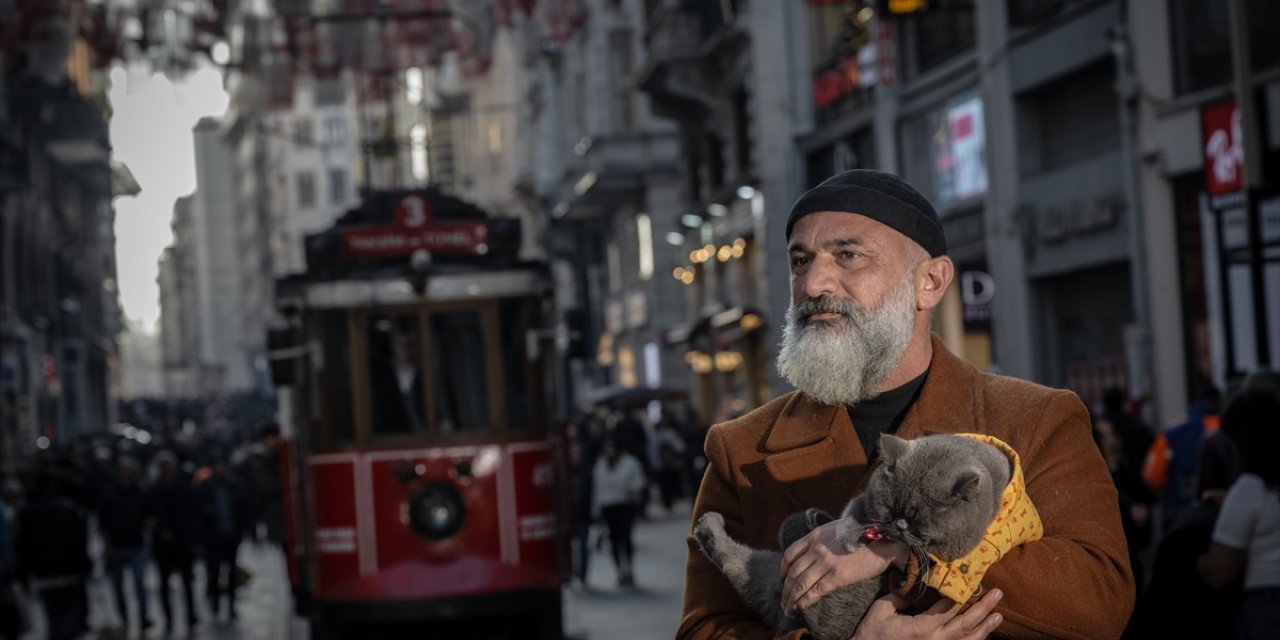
(1200, 506)
(106, 507)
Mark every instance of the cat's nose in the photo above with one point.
(902, 524)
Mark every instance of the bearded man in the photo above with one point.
(868, 267)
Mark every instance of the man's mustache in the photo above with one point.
(825, 304)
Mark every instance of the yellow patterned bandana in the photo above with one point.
(1016, 522)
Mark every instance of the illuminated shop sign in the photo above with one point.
(943, 152)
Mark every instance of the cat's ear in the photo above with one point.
(893, 448)
(966, 485)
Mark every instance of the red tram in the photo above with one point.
(421, 472)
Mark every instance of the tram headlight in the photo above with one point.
(436, 511)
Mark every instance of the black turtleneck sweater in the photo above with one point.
(883, 413)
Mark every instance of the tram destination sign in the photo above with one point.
(413, 230)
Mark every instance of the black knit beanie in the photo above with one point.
(881, 196)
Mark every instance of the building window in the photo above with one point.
(1264, 47)
(941, 33)
(337, 186)
(494, 134)
(620, 60)
(418, 152)
(306, 190)
(855, 151)
(843, 51)
(302, 132)
(644, 244)
(1201, 44)
(335, 130)
(1071, 120)
(413, 86)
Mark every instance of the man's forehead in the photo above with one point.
(841, 228)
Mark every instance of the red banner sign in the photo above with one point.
(1223, 148)
(414, 230)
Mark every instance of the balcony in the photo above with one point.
(685, 44)
(613, 168)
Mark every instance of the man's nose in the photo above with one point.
(819, 280)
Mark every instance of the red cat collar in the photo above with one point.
(872, 533)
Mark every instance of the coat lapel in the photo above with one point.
(946, 403)
(813, 452)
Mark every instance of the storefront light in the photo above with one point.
(700, 362)
(675, 238)
(727, 361)
(691, 220)
(750, 322)
(724, 253)
(746, 192)
(717, 210)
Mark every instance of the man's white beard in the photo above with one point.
(845, 361)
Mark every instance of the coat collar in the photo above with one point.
(808, 436)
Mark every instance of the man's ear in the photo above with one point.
(933, 276)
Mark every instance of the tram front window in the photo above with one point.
(333, 407)
(461, 396)
(396, 374)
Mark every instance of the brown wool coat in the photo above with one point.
(795, 453)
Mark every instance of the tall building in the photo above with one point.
(217, 262)
(59, 314)
(185, 375)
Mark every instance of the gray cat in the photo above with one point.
(936, 494)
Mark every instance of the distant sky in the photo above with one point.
(151, 132)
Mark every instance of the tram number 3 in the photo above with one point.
(413, 212)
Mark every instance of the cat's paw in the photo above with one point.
(709, 527)
(710, 522)
(816, 518)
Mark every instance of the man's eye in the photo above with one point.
(847, 255)
(799, 261)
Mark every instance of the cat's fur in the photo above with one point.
(936, 494)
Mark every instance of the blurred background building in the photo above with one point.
(1106, 171)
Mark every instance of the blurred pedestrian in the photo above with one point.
(172, 517)
(1177, 601)
(1246, 537)
(631, 437)
(582, 434)
(260, 471)
(668, 461)
(618, 480)
(123, 520)
(1169, 468)
(1135, 498)
(52, 551)
(1135, 437)
(221, 516)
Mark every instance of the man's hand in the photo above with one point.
(940, 622)
(819, 563)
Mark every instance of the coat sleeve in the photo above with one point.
(712, 609)
(1075, 582)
